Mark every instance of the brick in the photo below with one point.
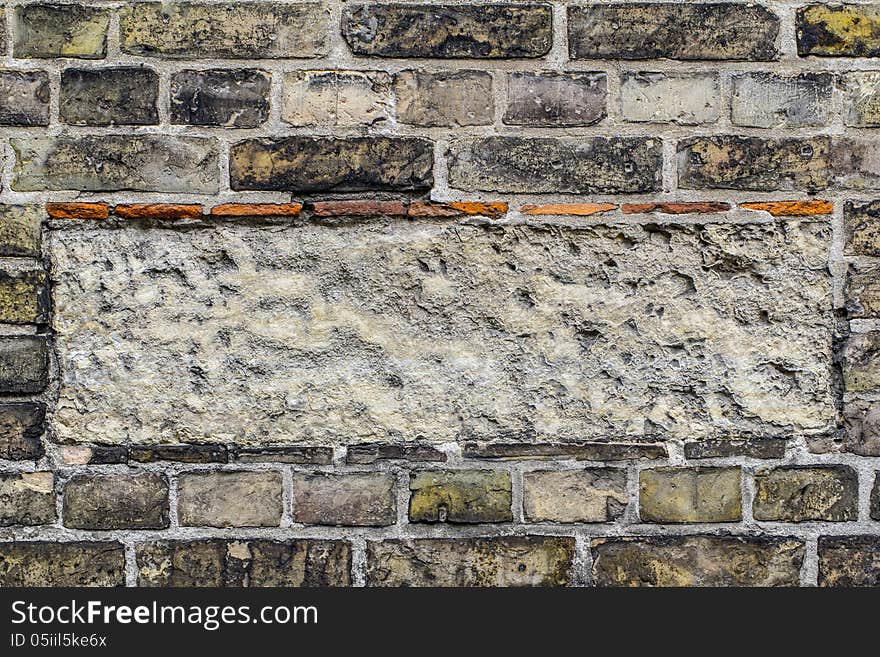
(682, 98)
(465, 496)
(257, 210)
(861, 362)
(791, 208)
(20, 231)
(124, 95)
(217, 97)
(56, 30)
(697, 561)
(498, 561)
(856, 163)
(579, 451)
(150, 163)
(21, 427)
(27, 498)
(243, 563)
(24, 364)
(227, 30)
(336, 98)
(359, 209)
(838, 31)
(573, 209)
(672, 30)
(457, 209)
(756, 448)
(358, 500)
(849, 561)
(875, 498)
(861, 99)
(696, 207)
(555, 99)
(767, 100)
(444, 99)
(95, 454)
(24, 297)
(800, 493)
(158, 211)
(368, 453)
(680, 495)
(59, 564)
(445, 31)
(592, 495)
(294, 454)
(587, 165)
(179, 453)
(862, 427)
(78, 210)
(754, 163)
(24, 98)
(863, 291)
(327, 164)
(214, 499)
(862, 228)
(116, 501)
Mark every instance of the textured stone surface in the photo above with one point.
(690, 495)
(767, 100)
(20, 230)
(683, 98)
(422, 30)
(460, 496)
(444, 99)
(116, 501)
(799, 493)
(155, 163)
(593, 495)
(754, 163)
(60, 30)
(214, 499)
(327, 164)
(555, 99)
(27, 498)
(24, 364)
(62, 564)
(697, 561)
(229, 30)
(501, 561)
(21, 427)
(587, 165)
(849, 30)
(367, 499)
(673, 30)
(336, 98)
(219, 97)
(123, 95)
(238, 563)
(862, 98)
(24, 297)
(24, 98)
(849, 561)
(305, 335)
(861, 362)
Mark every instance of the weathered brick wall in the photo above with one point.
(439, 293)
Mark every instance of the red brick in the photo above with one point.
(157, 211)
(457, 209)
(257, 210)
(791, 208)
(78, 210)
(576, 209)
(359, 209)
(697, 207)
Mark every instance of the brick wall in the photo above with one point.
(439, 294)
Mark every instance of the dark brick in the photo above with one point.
(862, 427)
(62, 564)
(21, 427)
(756, 448)
(24, 364)
(60, 30)
(116, 501)
(24, 98)
(244, 563)
(838, 31)
(227, 98)
(180, 453)
(327, 164)
(672, 30)
(578, 451)
(849, 561)
(587, 165)
(366, 453)
(555, 99)
(27, 498)
(294, 454)
(107, 96)
(862, 228)
(875, 498)
(863, 290)
(799, 493)
(444, 31)
(754, 163)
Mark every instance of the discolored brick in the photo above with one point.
(856, 163)
(800, 493)
(863, 290)
(60, 30)
(466, 496)
(236, 98)
(24, 364)
(21, 428)
(849, 561)
(109, 96)
(861, 362)
(555, 99)
(862, 228)
(862, 99)
(592, 495)
(768, 100)
(116, 501)
(758, 447)
(355, 499)
(862, 427)
(59, 564)
(595, 451)
(680, 494)
(682, 98)
(214, 499)
(444, 99)
(24, 297)
(24, 98)
(336, 98)
(27, 498)
(367, 453)
(848, 30)
(20, 231)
